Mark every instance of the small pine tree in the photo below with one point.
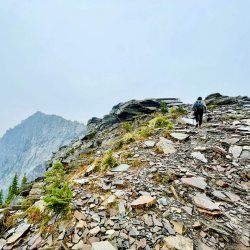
(164, 109)
(24, 181)
(14, 187)
(56, 176)
(1, 198)
(59, 194)
(13, 190)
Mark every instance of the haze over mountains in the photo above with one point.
(26, 147)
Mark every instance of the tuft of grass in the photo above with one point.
(182, 111)
(159, 150)
(136, 163)
(160, 122)
(129, 137)
(127, 126)
(109, 161)
(34, 215)
(144, 132)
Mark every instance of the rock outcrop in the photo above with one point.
(129, 110)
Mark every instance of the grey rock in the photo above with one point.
(198, 182)
(2, 243)
(82, 181)
(149, 144)
(235, 151)
(199, 156)
(102, 245)
(120, 168)
(166, 146)
(179, 136)
(203, 201)
(20, 231)
(179, 242)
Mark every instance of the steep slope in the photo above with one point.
(183, 189)
(25, 148)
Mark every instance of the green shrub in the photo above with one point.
(160, 122)
(109, 161)
(55, 176)
(145, 132)
(59, 194)
(127, 126)
(129, 137)
(59, 198)
(172, 110)
(163, 108)
(182, 111)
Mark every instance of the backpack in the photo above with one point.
(198, 105)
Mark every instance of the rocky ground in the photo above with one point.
(182, 189)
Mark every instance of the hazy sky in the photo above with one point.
(78, 58)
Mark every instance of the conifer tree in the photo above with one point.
(13, 190)
(59, 194)
(24, 181)
(1, 197)
(14, 187)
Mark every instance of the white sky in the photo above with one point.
(79, 58)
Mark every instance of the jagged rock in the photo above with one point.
(199, 156)
(204, 202)
(2, 243)
(235, 151)
(81, 246)
(120, 168)
(149, 144)
(19, 232)
(179, 242)
(93, 123)
(79, 216)
(166, 146)
(41, 205)
(187, 120)
(245, 155)
(82, 181)
(95, 230)
(218, 99)
(143, 201)
(179, 136)
(198, 182)
(102, 245)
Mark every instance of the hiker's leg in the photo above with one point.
(201, 117)
(196, 115)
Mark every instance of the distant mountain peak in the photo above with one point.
(25, 148)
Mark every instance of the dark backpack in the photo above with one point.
(198, 105)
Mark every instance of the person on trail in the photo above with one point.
(199, 107)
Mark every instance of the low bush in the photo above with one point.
(160, 122)
(144, 132)
(127, 126)
(34, 215)
(108, 161)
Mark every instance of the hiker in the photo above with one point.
(199, 108)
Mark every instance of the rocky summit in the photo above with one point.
(146, 180)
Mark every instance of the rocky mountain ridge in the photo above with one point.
(183, 189)
(26, 148)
